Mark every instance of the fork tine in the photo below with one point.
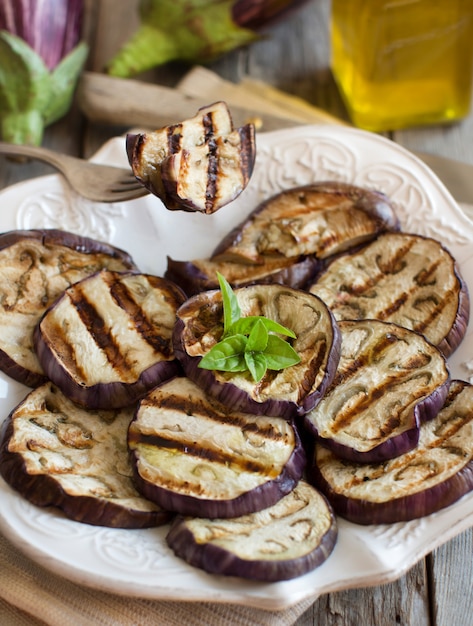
(128, 194)
(124, 187)
(130, 182)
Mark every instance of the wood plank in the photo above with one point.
(404, 601)
(451, 568)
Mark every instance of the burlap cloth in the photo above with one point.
(32, 596)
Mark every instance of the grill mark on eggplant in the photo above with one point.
(395, 263)
(222, 415)
(346, 417)
(371, 354)
(212, 162)
(313, 370)
(436, 312)
(68, 352)
(174, 138)
(97, 329)
(424, 277)
(122, 297)
(198, 450)
(396, 305)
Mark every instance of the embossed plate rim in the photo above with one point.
(138, 563)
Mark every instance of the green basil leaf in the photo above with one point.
(258, 338)
(249, 343)
(280, 354)
(256, 364)
(245, 324)
(227, 355)
(231, 308)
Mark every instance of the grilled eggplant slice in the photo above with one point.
(289, 539)
(389, 380)
(320, 219)
(403, 278)
(437, 473)
(36, 266)
(200, 164)
(201, 274)
(55, 453)
(108, 339)
(286, 393)
(192, 455)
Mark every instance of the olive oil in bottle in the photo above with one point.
(401, 63)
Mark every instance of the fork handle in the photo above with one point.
(41, 154)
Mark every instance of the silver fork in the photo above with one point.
(100, 183)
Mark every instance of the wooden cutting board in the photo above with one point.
(135, 103)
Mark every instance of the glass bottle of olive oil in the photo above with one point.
(402, 63)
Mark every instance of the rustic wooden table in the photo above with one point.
(295, 57)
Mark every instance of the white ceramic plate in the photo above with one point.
(138, 563)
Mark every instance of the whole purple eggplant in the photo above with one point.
(41, 57)
(195, 31)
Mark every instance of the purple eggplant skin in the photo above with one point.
(417, 504)
(15, 371)
(405, 509)
(44, 491)
(260, 15)
(130, 142)
(133, 144)
(193, 280)
(230, 394)
(458, 331)
(217, 560)
(53, 237)
(261, 497)
(426, 410)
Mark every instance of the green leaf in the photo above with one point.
(231, 308)
(148, 47)
(24, 78)
(280, 354)
(196, 31)
(63, 81)
(256, 364)
(22, 127)
(249, 343)
(258, 338)
(32, 97)
(245, 324)
(226, 356)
